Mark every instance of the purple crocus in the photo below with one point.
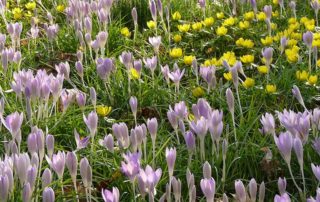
(111, 196)
(281, 198)
(267, 54)
(155, 42)
(92, 122)
(268, 124)
(81, 142)
(208, 187)
(131, 165)
(13, 123)
(284, 143)
(57, 163)
(240, 191)
(151, 63)
(148, 179)
(48, 195)
(171, 155)
(308, 39)
(316, 171)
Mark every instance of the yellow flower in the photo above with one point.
(175, 52)
(270, 88)
(267, 41)
(275, 2)
(244, 25)
(302, 75)
(197, 26)
(229, 21)
(188, 59)
(208, 22)
(176, 16)
(227, 76)
(296, 36)
(134, 74)
(248, 83)
(249, 16)
(275, 14)
(274, 26)
(313, 79)
(207, 63)
(247, 59)
(197, 92)
(261, 16)
(292, 54)
(247, 43)
(221, 31)
(263, 69)
(151, 24)
(229, 57)
(27, 14)
(125, 32)
(316, 43)
(60, 8)
(292, 20)
(184, 28)
(31, 5)
(292, 42)
(220, 15)
(17, 13)
(177, 38)
(215, 61)
(103, 110)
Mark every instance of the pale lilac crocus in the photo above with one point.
(149, 178)
(152, 125)
(241, 194)
(92, 123)
(200, 127)
(176, 77)
(316, 171)
(282, 184)
(308, 39)
(281, 198)
(111, 196)
(268, 124)
(133, 102)
(208, 187)
(57, 163)
(155, 42)
(81, 142)
(297, 94)
(208, 74)
(151, 64)
(131, 165)
(316, 6)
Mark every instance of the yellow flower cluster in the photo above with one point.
(184, 28)
(247, 59)
(292, 54)
(246, 43)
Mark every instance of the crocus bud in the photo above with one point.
(308, 39)
(152, 125)
(26, 193)
(46, 177)
(134, 105)
(253, 190)
(282, 184)
(190, 179)
(267, 9)
(86, 172)
(267, 54)
(298, 149)
(240, 191)
(32, 143)
(4, 187)
(79, 68)
(297, 94)
(153, 10)
(230, 100)
(72, 164)
(316, 171)
(32, 176)
(208, 187)
(225, 198)
(176, 186)
(171, 159)
(48, 195)
(207, 170)
(134, 16)
(262, 192)
(109, 196)
(50, 145)
(284, 144)
(57, 163)
(108, 143)
(92, 122)
(81, 99)
(283, 197)
(80, 56)
(268, 124)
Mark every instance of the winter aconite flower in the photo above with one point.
(17, 13)
(151, 24)
(125, 32)
(198, 92)
(60, 8)
(175, 52)
(302, 75)
(248, 83)
(270, 88)
(208, 22)
(184, 28)
(103, 110)
(263, 69)
(312, 80)
(221, 31)
(176, 16)
(177, 38)
(31, 5)
(247, 59)
(188, 59)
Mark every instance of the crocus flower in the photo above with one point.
(72, 165)
(176, 186)
(48, 195)
(108, 143)
(4, 187)
(86, 172)
(171, 159)
(57, 163)
(134, 15)
(26, 192)
(81, 142)
(316, 171)
(155, 42)
(206, 170)
(267, 54)
(284, 143)
(268, 124)
(208, 187)
(296, 93)
(120, 131)
(153, 10)
(111, 196)
(126, 59)
(282, 184)
(134, 105)
(152, 125)
(308, 38)
(92, 122)
(151, 63)
(149, 178)
(131, 165)
(253, 189)
(216, 125)
(13, 123)
(240, 191)
(282, 197)
(46, 177)
(190, 140)
(181, 110)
